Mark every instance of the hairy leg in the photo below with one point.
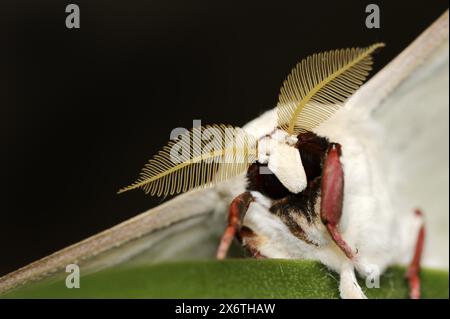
(348, 285)
(238, 208)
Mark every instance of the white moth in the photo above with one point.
(393, 133)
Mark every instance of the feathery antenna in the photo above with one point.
(319, 84)
(191, 162)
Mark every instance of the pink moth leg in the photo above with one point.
(236, 214)
(332, 190)
(414, 268)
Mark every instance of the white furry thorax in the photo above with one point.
(368, 222)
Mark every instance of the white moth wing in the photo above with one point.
(394, 133)
(196, 220)
(146, 237)
(415, 122)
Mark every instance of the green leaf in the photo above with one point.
(238, 278)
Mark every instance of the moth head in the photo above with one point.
(283, 159)
(312, 92)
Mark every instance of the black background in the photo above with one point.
(82, 110)
(283, 308)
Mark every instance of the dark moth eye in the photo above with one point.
(312, 150)
(261, 179)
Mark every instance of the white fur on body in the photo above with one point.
(377, 221)
(368, 223)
